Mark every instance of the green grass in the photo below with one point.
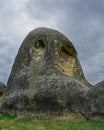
(12, 123)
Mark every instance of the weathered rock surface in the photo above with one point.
(94, 102)
(2, 90)
(46, 76)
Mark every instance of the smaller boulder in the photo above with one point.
(94, 102)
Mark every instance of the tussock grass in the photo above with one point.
(13, 123)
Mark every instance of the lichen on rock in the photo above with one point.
(2, 90)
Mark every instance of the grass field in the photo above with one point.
(12, 123)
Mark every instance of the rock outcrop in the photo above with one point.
(94, 102)
(46, 76)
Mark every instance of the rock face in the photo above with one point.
(2, 90)
(46, 76)
(94, 102)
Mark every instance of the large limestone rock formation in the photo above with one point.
(46, 76)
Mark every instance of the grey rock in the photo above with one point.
(46, 76)
(94, 103)
(2, 90)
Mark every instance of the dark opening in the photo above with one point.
(39, 44)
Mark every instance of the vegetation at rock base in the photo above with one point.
(13, 123)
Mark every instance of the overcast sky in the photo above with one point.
(82, 21)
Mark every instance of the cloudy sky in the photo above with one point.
(82, 21)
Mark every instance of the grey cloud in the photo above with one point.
(41, 10)
(94, 68)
